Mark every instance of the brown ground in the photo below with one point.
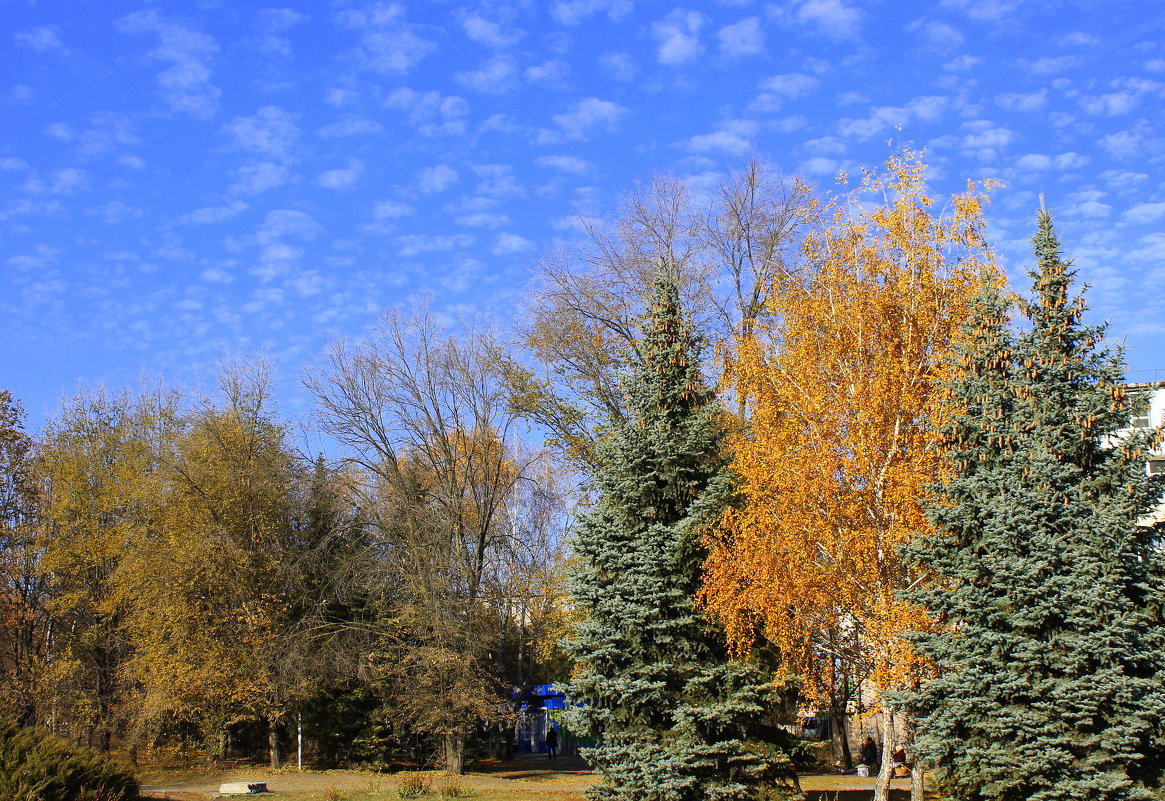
(532, 778)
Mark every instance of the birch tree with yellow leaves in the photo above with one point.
(841, 383)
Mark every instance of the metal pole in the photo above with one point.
(299, 739)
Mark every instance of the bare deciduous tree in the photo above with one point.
(727, 259)
(429, 422)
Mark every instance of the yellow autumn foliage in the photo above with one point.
(839, 384)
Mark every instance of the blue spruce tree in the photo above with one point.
(672, 717)
(1049, 647)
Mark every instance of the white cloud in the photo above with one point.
(59, 182)
(498, 75)
(436, 179)
(497, 180)
(508, 244)
(984, 139)
(288, 222)
(1071, 161)
(343, 178)
(257, 178)
(568, 164)
(415, 244)
(278, 20)
(388, 43)
(212, 214)
(678, 37)
(10, 163)
(468, 204)
(483, 219)
(41, 259)
(43, 39)
(552, 72)
(107, 132)
(271, 133)
(114, 212)
(1112, 104)
(928, 108)
(588, 115)
(1051, 65)
(338, 98)
(983, 9)
(275, 260)
(489, 33)
(1145, 213)
(350, 126)
(1078, 39)
(744, 38)
(391, 210)
(820, 165)
(790, 84)
(776, 89)
(937, 35)
(263, 299)
(881, 119)
(1124, 144)
(1023, 101)
(432, 112)
(962, 63)
(1123, 180)
(186, 83)
(794, 122)
(1040, 162)
(216, 275)
(1087, 204)
(827, 146)
(572, 12)
(735, 137)
(832, 18)
(309, 282)
(621, 66)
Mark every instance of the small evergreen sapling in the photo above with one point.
(1049, 644)
(673, 718)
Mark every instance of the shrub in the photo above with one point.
(413, 785)
(453, 789)
(36, 766)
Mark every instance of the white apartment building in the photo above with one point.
(1153, 417)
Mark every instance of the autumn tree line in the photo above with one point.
(179, 573)
(793, 449)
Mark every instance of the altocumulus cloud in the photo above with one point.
(678, 37)
(185, 84)
(588, 115)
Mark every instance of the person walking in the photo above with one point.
(552, 743)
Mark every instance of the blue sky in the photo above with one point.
(181, 180)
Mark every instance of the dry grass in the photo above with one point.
(337, 785)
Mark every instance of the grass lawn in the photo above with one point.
(528, 779)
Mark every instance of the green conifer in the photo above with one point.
(1049, 646)
(673, 718)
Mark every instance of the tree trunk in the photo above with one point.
(455, 753)
(217, 755)
(273, 742)
(882, 786)
(837, 733)
(917, 780)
